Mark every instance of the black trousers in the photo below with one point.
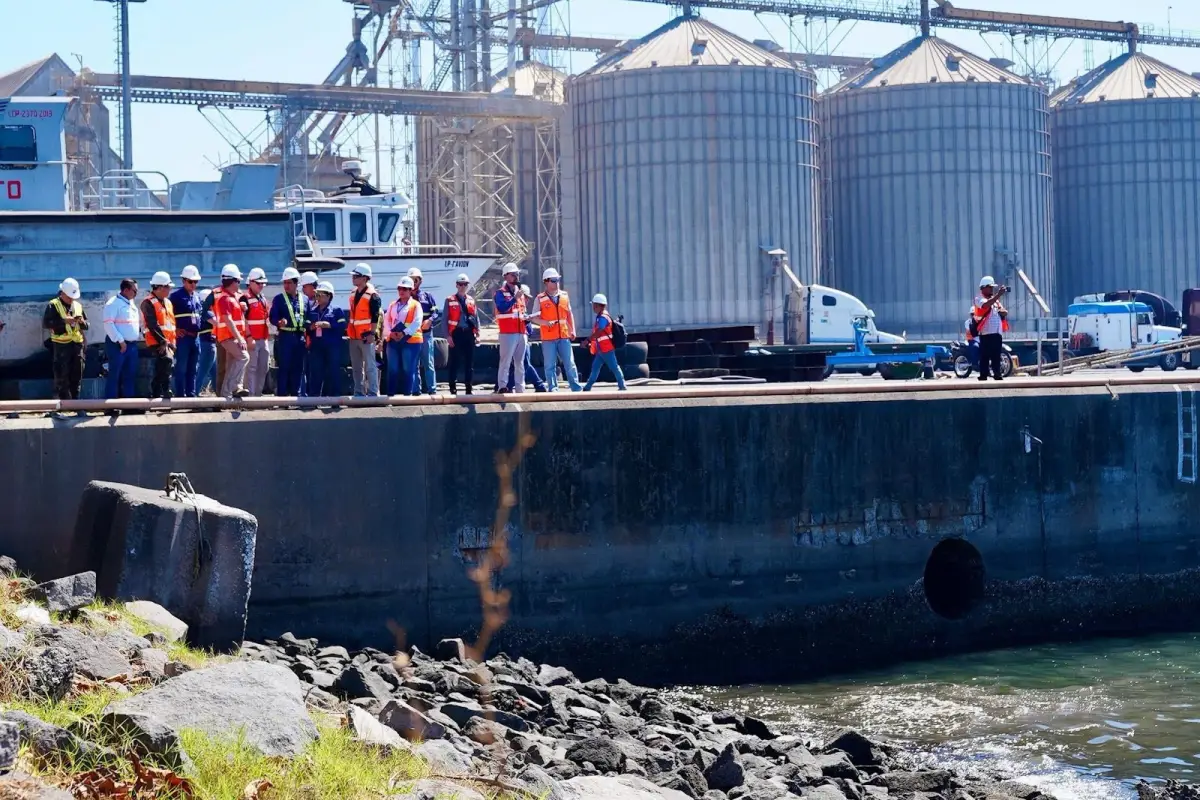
(991, 345)
(164, 369)
(463, 353)
(68, 370)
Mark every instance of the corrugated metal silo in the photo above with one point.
(1126, 144)
(937, 173)
(693, 149)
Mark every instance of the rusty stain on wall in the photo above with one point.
(894, 519)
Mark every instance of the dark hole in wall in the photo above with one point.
(954, 578)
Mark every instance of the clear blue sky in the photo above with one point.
(301, 40)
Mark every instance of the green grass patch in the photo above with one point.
(333, 766)
(12, 596)
(105, 614)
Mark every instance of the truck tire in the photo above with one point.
(633, 353)
(867, 372)
(1137, 369)
(828, 371)
(1169, 362)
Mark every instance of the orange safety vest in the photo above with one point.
(602, 342)
(976, 313)
(512, 322)
(360, 313)
(224, 330)
(256, 316)
(454, 311)
(414, 308)
(164, 313)
(559, 313)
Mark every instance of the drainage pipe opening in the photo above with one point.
(954, 578)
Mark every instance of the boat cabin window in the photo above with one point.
(18, 143)
(387, 226)
(358, 227)
(322, 225)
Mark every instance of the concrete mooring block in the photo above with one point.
(195, 558)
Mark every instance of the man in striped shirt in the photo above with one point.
(990, 318)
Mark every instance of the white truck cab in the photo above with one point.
(1098, 326)
(821, 315)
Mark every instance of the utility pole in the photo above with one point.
(126, 88)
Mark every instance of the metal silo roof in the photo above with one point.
(1130, 76)
(927, 59)
(688, 41)
(533, 79)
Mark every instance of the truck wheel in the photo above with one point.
(1137, 369)
(1169, 362)
(1191, 365)
(828, 371)
(1006, 365)
(962, 367)
(867, 372)
(886, 372)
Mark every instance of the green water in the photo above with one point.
(1083, 721)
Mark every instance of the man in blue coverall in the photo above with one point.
(287, 314)
(429, 307)
(326, 325)
(188, 309)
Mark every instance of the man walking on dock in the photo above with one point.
(511, 318)
(188, 307)
(463, 325)
(158, 321)
(365, 312)
(122, 330)
(287, 315)
(990, 318)
(429, 307)
(601, 345)
(67, 321)
(552, 313)
(258, 336)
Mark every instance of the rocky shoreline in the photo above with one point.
(504, 728)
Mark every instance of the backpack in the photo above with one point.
(619, 338)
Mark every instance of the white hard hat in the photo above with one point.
(258, 275)
(292, 274)
(190, 273)
(405, 283)
(511, 269)
(600, 300)
(70, 287)
(550, 272)
(987, 280)
(415, 273)
(160, 279)
(525, 289)
(204, 293)
(231, 271)
(462, 278)
(325, 286)
(308, 279)
(363, 270)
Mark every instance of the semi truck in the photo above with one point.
(1109, 326)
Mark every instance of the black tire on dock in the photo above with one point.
(635, 371)
(633, 353)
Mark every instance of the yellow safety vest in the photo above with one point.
(73, 333)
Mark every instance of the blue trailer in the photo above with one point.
(862, 356)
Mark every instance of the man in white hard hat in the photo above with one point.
(404, 325)
(600, 343)
(989, 319)
(326, 324)
(122, 331)
(366, 312)
(429, 308)
(308, 287)
(511, 318)
(258, 335)
(462, 323)
(206, 372)
(158, 320)
(66, 320)
(231, 334)
(552, 314)
(287, 315)
(528, 373)
(189, 315)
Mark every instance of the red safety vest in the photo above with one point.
(511, 322)
(164, 313)
(558, 314)
(976, 311)
(360, 313)
(227, 302)
(454, 311)
(256, 316)
(602, 342)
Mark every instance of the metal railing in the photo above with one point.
(125, 189)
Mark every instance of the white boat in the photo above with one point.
(121, 225)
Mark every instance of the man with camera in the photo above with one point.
(989, 320)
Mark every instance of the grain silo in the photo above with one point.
(1126, 144)
(693, 150)
(937, 172)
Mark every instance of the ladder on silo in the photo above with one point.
(1187, 434)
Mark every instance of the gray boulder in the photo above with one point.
(11, 642)
(599, 751)
(264, 702)
(370, 731)
(49, 672)
(10, 744)
(359, 681)
(824, 792)
(8, 567)
(432, 789)
(66, 594)
(726, 772)
(93, 657)
(409, 722)
(158, 618)
(443, 757)
(54, 744)
(624, 787)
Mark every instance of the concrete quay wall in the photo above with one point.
(674, 540)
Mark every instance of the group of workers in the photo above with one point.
(220, 337)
